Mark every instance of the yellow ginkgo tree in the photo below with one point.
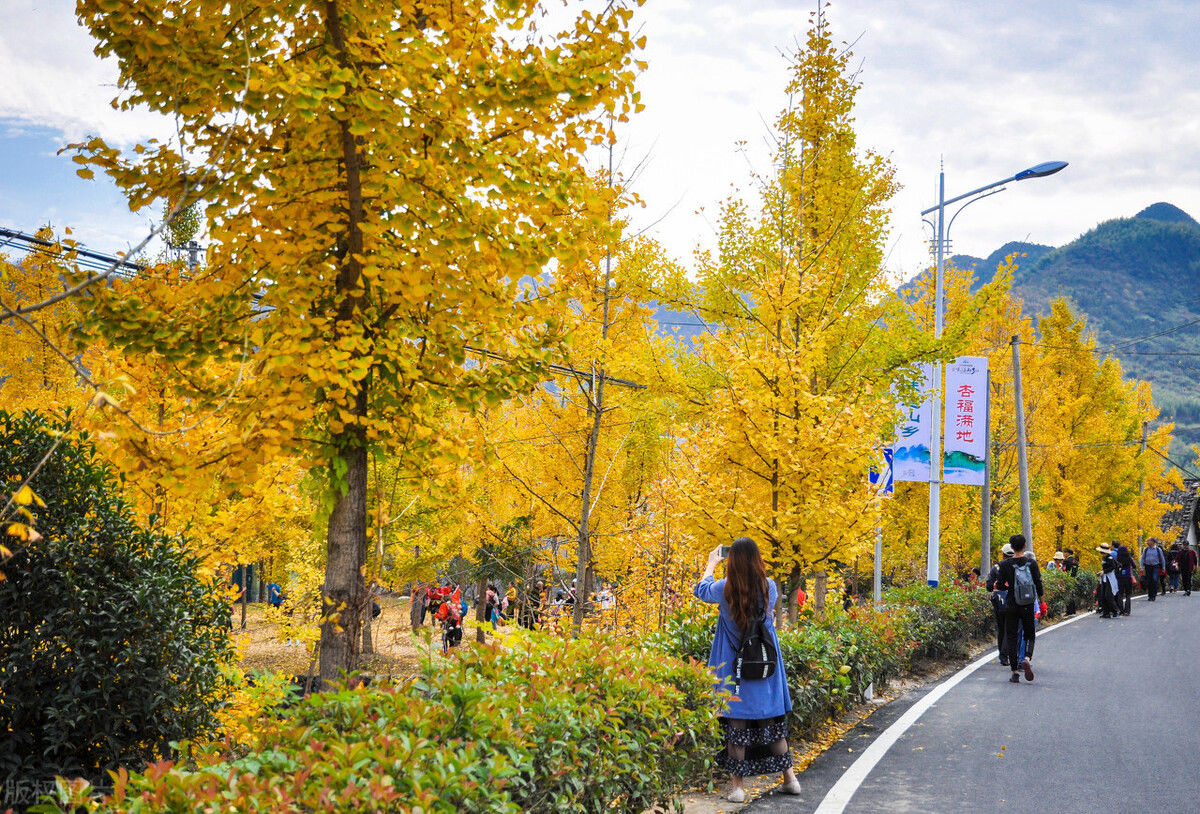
(793, 387)
(33, 371)
(378, 179)
(1090, 478)
(580, 452)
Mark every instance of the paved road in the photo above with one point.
(1110, 723)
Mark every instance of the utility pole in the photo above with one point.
(1142, 488)
(595, 405)
(935, 429)
(878, 576)
(1022, 458)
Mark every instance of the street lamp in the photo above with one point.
(935, 445)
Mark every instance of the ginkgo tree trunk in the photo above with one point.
(378, 180)
(579, 451)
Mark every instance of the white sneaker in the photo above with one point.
(738, 795)
(790, 788)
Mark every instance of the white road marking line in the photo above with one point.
(838, 798)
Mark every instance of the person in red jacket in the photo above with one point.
(449, 613)
(1187, 565)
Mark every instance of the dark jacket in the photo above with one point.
(1005, 581)
(1187, 560)
(993, 574)
(1071, 565)
(1124, 560)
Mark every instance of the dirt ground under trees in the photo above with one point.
(264, 644)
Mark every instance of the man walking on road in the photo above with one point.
(998, 602)
(1021, 577)
(1187, 565)
(1154, 563)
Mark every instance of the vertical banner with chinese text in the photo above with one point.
(910, 457)
(966, 405)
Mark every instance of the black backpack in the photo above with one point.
(756, 657)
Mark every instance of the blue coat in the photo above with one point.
(764, 698)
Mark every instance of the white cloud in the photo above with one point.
(990, 87)
(54, 79)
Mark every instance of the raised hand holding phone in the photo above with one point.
(714, 557)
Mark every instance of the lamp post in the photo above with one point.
(935, 441)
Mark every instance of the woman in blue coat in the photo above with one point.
(755, 723)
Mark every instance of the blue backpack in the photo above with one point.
(1024, 591)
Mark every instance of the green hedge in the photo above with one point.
(111, 645)
(1060, 589)
(943, 621)
(539, 725)
(831, 661)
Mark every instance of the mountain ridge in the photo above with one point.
(1135, 282)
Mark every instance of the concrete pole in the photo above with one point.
(1022, 458)
(878, 586)
(935, 429)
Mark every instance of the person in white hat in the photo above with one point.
(998, 601)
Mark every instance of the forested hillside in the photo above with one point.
(1136, 279)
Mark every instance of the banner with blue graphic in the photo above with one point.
(910, 456)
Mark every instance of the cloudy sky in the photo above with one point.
(989, 88)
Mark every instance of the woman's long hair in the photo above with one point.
(746, 588)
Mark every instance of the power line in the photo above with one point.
(1155, 336)
(1178, 466)
(94, 261)
(557, 368)
(129, 269)
(1075, 446)
(1115, 346)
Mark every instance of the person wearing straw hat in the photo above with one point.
(999, 601)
